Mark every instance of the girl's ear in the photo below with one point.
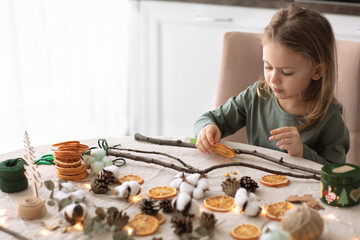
(317, 72)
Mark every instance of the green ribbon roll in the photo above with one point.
(12, 177)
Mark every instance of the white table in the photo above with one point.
(345, 225)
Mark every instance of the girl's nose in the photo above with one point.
(274, 78)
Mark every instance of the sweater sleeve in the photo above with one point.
(229, 117)
(333, 143)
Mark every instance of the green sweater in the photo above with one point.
(327, 143)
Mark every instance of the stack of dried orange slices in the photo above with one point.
(223, 150)
(161, 192)
(274, 181)
(276, 211)
(219, 203)
(68, 161)
(246, 231)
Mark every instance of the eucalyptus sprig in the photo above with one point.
(52, 202)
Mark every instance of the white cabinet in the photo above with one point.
(175, 59)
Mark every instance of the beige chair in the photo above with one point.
(241, 66)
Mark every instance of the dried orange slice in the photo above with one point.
(274, 181)
(276, 211)
(160, 217)
(144, 225)
(223, 150)
(246, 231)
(161, 192)
(66, 143)
(219, 203)
(131, 177)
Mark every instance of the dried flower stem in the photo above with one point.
(180, 143)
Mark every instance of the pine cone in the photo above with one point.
(208, 220)
(107, 176)
(181, 224)
(119, 219)
(166, 206)
(249, 184)
(149, 207)
(99, 186)
(230, 186)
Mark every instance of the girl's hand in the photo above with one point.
(209, 135)
(288, 138)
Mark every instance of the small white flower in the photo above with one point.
(134, 188)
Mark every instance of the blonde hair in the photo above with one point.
(310, 34)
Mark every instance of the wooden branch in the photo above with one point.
(179, 143)
(117, 153)
(159, 153)
(12, 233)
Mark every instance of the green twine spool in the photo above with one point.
(12, 177)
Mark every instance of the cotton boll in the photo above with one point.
(107, 161)
(75, 213)
(67, 187)
(194, 208)
(123, 190)
(88, 160)
(78, 195)
(203, 184)
(97, 166)
(193, 178)
(98, 153)
(60, 195)
(114, 169)
(186, 187)
(252, 208)
(180, 202)
(180, 175)
(241, 198)
(273, 232)
(198, 193)
(175, 183)
(134, 188)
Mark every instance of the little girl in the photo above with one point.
(293, 108)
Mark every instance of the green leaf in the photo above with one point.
(49, 185)
(88, 225)
(51, 203)
(202, 231)
(52, 194)
(193, 140)
(97, 226)
(63, 203)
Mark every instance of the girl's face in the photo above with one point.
(288, 74)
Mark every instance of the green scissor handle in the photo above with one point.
(47, 159)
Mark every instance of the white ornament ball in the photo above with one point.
(98, 153)
(88, 160)
(97, 166)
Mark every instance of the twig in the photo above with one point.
(117, 153)
(180, 143)
(159, 153)
(12, 233)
